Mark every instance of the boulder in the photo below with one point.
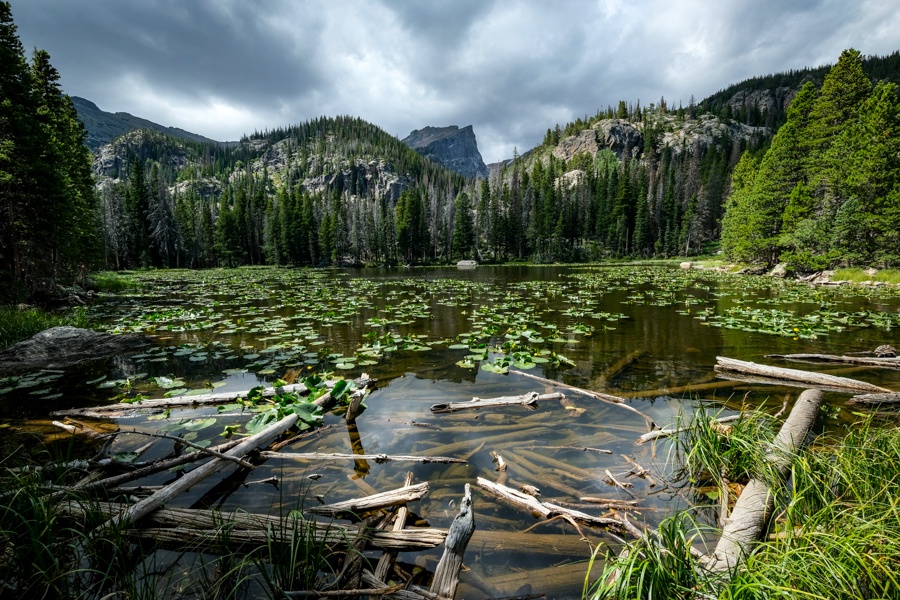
(62, 347)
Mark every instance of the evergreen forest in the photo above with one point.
(815, 185)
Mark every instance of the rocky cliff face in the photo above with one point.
(452, 147)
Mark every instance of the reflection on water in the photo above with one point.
(232, 330)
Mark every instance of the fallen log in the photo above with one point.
(548, 510)
(530, 399)
(607, 398)
(751, 513)
(876, 400)
(387, 559)
(620, 365)
(375, 502)
(809, 378)
(890, 363)
(378, 458)
(446, 575)
(158, 499)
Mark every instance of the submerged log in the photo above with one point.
(375, 502)
(806, 377)
(378, 458)
(751, 513)
(620, 365)
(529, 399)
(446, 575)
(387, 559)
(607, 398)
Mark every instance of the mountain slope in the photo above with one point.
(103, 127)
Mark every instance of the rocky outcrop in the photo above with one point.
(452, 147)
(620, 136)
(772, 101)
(62, 347)
(703, 132)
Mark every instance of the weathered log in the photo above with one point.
(378, 458)
(876, 399)
(750, 516)
(202, 526)
(682, 389)
(387, 559)
(158, 499)
(608, 398)
(375, 502)
(446, 575)
(547, 509)
(809, 378)
(529, 399)
(467, 444)
(620, 365)
(201, 449)
(889, 363)
(668, 431)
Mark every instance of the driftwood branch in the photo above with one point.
(549, 510)
(529, 399)
(375, 502)
(751, 513)
(608, 398)
(669, 431)
(387, 559)
(378, 458)
(446, 575)
(198, 447)
(813, 379)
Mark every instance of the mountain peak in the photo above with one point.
(453, 147)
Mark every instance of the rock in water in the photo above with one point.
(452, 147)
(61, 347)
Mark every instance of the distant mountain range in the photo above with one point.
(103, 127)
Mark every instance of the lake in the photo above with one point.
(437, 335)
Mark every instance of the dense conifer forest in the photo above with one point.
(816, 186)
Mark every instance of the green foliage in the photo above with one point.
(827, 189)
(17, 324)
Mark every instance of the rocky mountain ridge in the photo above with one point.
(104, 127)
(453, 147)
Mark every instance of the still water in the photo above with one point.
(435, 335)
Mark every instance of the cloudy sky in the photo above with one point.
(222, 68)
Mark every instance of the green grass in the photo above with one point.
(857, 275)
(836, 534)
(17, 324)
(113, 281)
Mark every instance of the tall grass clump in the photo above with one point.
(17, 324)
(835, 534)
(112, 281)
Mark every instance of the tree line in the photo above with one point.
(48, 226)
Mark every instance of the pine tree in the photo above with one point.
(463, 227)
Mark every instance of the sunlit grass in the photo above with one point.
(856, 275)
(17, 324)
(111, 281)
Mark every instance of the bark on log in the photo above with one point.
(876, 399)
(608, 398)
(750, 516)
(387, 559)
(529, 399)
(889, 363)
(158, 499)
(378, 458)
(446, 575)
(375, 502)
(813, 379)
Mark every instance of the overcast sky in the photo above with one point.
(222, 68)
